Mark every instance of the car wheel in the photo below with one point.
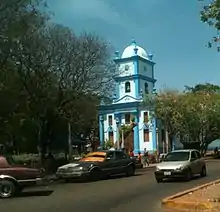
(159, 180)
(203, 172)
(7, 189)
(188, 175)
(130, 171)
(96, 175)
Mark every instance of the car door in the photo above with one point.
(110, 165)
(200, 162)
(194, 162)
(122, 161)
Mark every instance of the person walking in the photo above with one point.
(131, 153)
(145, 158)
(139, 157)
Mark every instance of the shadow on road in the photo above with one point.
(179, 180)
(39, 193)
(109, 178)
(146, 169)
(122, 176)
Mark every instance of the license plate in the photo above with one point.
(167, 173)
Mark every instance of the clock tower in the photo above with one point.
(135, 73)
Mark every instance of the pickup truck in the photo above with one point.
(13, 179)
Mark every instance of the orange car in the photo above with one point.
(97, 165)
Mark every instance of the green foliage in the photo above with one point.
(26, 159)
(193, 116)
(167, 110)
(207, 87)
(127, 129)
(211, 16)
(108, 144)
(49, 77)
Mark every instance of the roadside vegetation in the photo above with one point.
(192, 116)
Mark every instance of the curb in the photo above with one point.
(171, 202)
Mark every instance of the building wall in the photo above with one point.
(122, 89)
(106, 126)
(123, 72)
(146, 69)
(144, 144)
(150, 86)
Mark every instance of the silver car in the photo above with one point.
(181, 164)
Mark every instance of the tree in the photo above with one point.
(211, 15)
(19, 21)
(167, 110)
(49, 76)
(200, 120)
(192, 116)
(207, 87)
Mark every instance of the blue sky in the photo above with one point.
(170, 29)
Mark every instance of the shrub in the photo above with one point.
(108, 144)
(26, 159)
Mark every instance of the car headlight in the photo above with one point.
(157, 168)
(180, 168)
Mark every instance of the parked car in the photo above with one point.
(162, 156)
(98, 165)
(14, 178)
(181, 164)
(137, 162)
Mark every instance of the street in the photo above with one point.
(140, 192)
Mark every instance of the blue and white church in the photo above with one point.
(135, 79)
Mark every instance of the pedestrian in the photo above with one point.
(139, 156)
(131, 153)
(50, 163)
(145, 158)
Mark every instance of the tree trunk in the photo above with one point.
(170, 137)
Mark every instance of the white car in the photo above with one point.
(181, 164)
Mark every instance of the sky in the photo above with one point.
(169, 29)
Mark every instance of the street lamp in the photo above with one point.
(118, 133)
(102, 131)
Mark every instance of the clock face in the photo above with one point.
(126, 67)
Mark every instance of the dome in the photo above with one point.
(130, 51)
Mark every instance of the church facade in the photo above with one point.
(135, 79)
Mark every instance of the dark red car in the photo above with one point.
(13, 178)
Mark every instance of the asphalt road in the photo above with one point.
(140, 192)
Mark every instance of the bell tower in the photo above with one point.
(135, 73)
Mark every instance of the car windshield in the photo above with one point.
(177, 156)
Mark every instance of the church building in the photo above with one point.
(135, 79)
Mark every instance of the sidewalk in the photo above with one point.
(151, 165)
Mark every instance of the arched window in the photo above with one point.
(146, 88)
(127, 87)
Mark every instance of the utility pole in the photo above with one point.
(118, 137)
(167, 141)
(118, 133)
(122, 139)
(69, 141)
